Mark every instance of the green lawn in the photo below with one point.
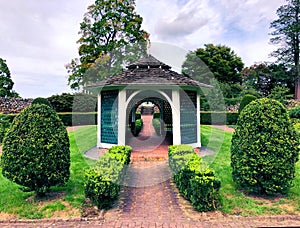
(22, 205)
(235, 201)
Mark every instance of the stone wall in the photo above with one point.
(13, 105)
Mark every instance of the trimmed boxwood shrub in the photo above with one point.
(245, 101)
(265, 148)
(36, 150)
(157, 125)
(138, 126)
(103, 183)
(41, 100)
(138, 115)
(156, 115)
(295, 112)
(193, 178)
(231, 118)
(4, 126)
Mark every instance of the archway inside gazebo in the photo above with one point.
(137, 108)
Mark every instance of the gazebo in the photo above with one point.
(149, 80)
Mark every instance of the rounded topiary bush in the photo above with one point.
(36, 150)
(265, 148)
(41, 100)
(245, 101)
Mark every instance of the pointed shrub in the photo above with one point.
(265, 148)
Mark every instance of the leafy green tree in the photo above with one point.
(264, 77)
(286, 32)
(109, 29)
(214, 61)
(6, 83)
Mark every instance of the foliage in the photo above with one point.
(212, 99)
(263, 77)
(138, 115)
(280, 93)
(231, 90)
(295, 112)
(156, 115)
(36, 152)
(41, 100)
(4, 126)
(138, 126)
(78, 102)
(6, 83)
(245, 101)
(103, 182)
(212, 61)
(62, 103)
(84, 103)
(263, 141)
(218, 118)
(286, 35)
(107, 29)
(157, 125)
(194, 179)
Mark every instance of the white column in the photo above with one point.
(198, 120)
(176, 117)
(99, 121)
(122, 118)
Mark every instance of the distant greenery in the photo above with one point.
(246, 100)
(41, 100)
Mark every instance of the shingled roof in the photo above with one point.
(148, 71)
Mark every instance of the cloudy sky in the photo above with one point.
(38, 37)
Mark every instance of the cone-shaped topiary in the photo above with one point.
(265, 148)
(245, 101)
(36, 150)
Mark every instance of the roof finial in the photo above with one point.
(148, 44)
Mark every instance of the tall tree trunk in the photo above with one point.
(296, 55)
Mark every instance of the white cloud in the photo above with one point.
(39, 37)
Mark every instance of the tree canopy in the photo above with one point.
(6, 83)
(107, 26)
(286, 31)
(264, 77)
(217, 61)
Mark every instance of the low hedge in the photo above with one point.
(157, 125)
(138, 126)
(228, 118)
(295, 112)
(193, 178)
(103, 182)
(156, 115)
